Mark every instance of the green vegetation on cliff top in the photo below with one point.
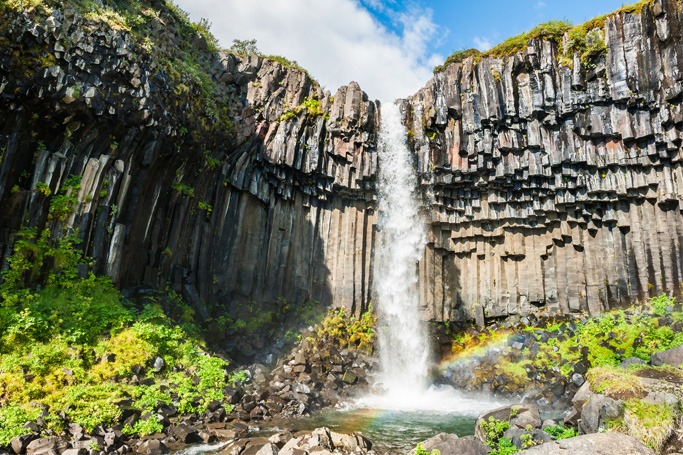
(586, 40)
(161, 35)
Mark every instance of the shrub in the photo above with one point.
(559, 432)
(347, 330)
(12, 420)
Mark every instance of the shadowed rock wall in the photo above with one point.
(555, 188)
(550, 188)
(275, 204)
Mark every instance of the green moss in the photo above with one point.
(310, 106)
(586, 39)
(550, 31)
(616, 382)
(652, 423)
(457, 57)
(293, 64)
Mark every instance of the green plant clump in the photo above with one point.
(419, 450)
(559, 432)
(311, 106)
(349, 331)
(586, 39)
(70, 343)
(457, 57)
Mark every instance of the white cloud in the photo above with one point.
(540, 5)
(336, 40)
(482, 43)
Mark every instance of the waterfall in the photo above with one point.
(402, 336)
(403, 340)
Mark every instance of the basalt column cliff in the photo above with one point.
(230, 179)
(555, 183)
(551, 180)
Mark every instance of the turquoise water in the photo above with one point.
(398, 431)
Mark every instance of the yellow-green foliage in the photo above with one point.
(311, 106)
(588, 43)
(616, 382)
(350, 331)
(549, 31)
(587, 39)
(74, 346)
(457, 57)
(606, 340)
(287, 63)
(466, 343)
(652, 423)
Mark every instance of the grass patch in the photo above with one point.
(586, 39)
(549, 31)
(652, 423)
(458, 57)
(615, 382)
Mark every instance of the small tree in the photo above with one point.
(244, 47)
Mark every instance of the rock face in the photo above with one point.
(599, 444)
(270, 199)
(554, 187)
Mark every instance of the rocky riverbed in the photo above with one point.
(638, 402)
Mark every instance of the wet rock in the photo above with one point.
(350, 378)
(632, 361)
(522, 417)
(151, 447)
(597, 411)
(578, 379)
(185, 433)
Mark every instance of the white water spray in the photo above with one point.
(405, 357)
(403, 340)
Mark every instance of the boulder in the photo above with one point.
(280, 439)
(46, 446)
(151, 447)
(185, 433)
(268, 449)
(20, 443)
(673, 356)
(608, 443)
(632, 361)
(597, 411)
(451, 444)
(520, 416)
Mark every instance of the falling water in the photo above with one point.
(405, 359)
(403, 341)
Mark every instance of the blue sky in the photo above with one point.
(466, 24)
(390, 46)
